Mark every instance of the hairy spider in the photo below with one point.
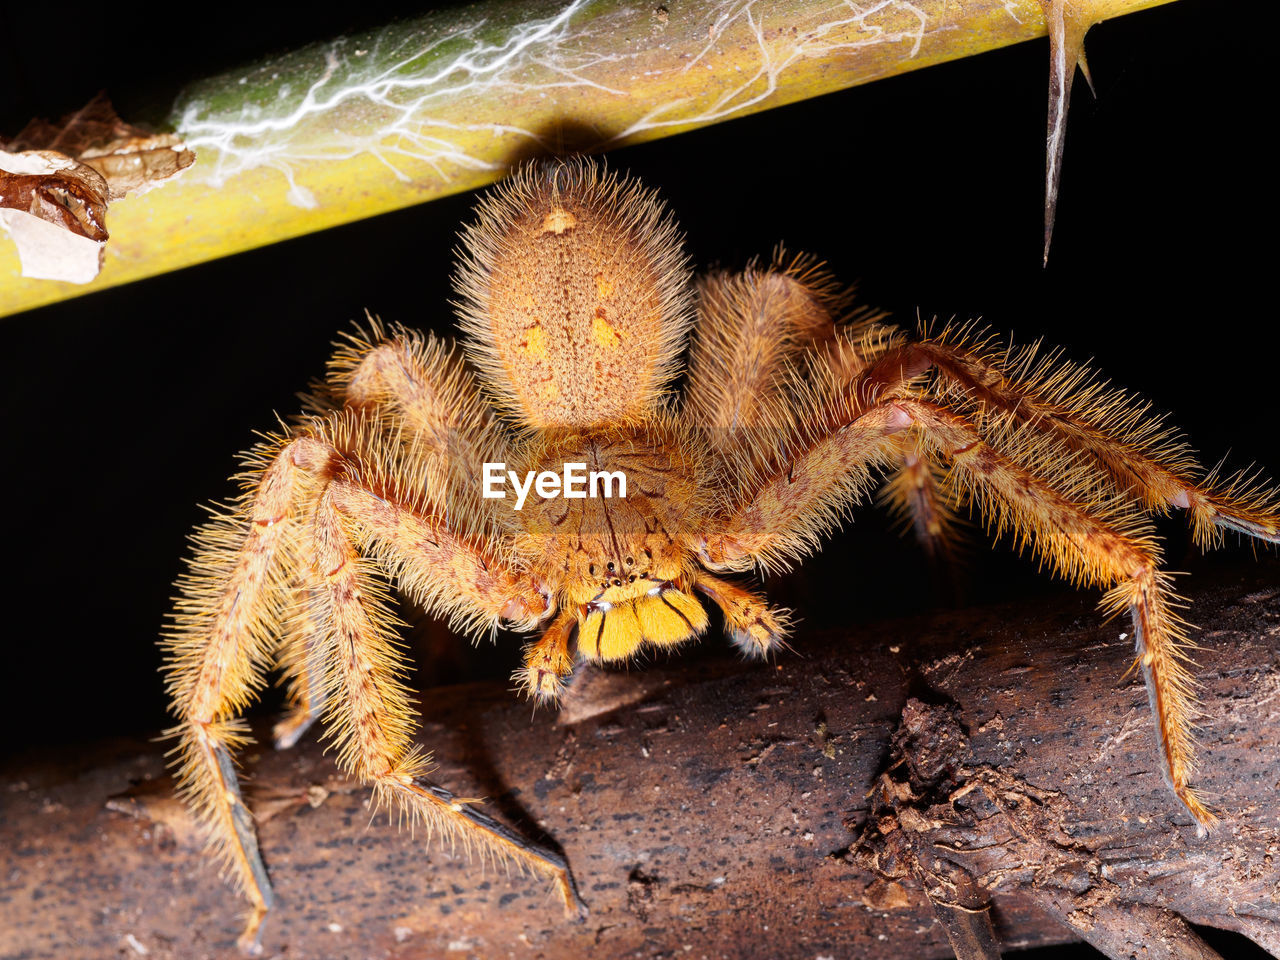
(576, 303)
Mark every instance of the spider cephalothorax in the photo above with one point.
(567, 488)
(626, 575)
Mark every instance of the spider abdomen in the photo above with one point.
(576, 296)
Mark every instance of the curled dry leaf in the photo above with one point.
(56, 180)
(130, 159)
(55, 209)
(140, 163)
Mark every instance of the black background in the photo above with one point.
(123, 410)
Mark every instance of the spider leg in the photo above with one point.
(1088, 545)
(502, 839)
(370, 717)
(753, 327)
(795, 485)
(423, 384)
(441, 565)
(754, 627)
(548, 660)
(919, 494)
(236, 596)
(223, 634)
(301, 661)
(799, 486)
(419, 384)
(749, 325)
(1067, 403)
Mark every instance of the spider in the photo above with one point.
(576, 303)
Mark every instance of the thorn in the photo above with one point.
(1083, 64)
(1066, 53)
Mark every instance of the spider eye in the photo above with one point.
(610, 567)
(592, 569)
(629, 561)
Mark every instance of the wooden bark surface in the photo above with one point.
(708, 809)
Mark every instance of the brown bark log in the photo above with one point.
(711, 809)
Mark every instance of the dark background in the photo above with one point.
(124, 409)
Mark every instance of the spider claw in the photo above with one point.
(289, 730)
(250, 941)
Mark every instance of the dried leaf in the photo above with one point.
(131, 159)
(56, 180)
(55, 188)
(93, 125)
(140, 163)
(55, 209)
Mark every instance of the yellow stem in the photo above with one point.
(345, 130)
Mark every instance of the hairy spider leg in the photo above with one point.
(797, 483)
(311, 507)
(1089, 544)
(754, 627)
(750, 326)
(1077, 415)
(224, 632)
(798, 487)
(419, 387)
(921, 497)
(1067, 402)
(549, 660)
(756, 325)
(370, 718)
(301, 662)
